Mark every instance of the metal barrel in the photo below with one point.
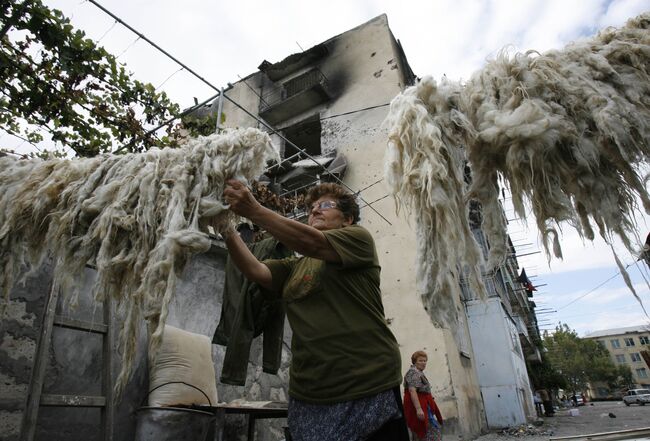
(172, 424)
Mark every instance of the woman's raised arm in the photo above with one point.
(296, 236)
(246, 262)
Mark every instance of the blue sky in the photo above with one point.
(611, 305)
(586, 288)
(226, 40)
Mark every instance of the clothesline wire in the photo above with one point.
(264, 123)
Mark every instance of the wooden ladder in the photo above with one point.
(36, 398)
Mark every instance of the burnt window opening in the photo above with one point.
(300, 172)
(301, 169)
(305, 135)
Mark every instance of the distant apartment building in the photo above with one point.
(629, 346)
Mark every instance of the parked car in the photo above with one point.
(637, 396)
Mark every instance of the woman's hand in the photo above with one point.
(240, 198)
(420, 414)
(229, 231)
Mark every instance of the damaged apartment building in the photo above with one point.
(324, 109)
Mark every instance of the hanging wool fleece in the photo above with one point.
(425, 170)
(566, 131)
(137, 218)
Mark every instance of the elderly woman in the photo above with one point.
(345, 367)
(420, 410)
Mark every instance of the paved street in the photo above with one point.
(596, 418)
(592, 419)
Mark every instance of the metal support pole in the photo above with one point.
(219, 109)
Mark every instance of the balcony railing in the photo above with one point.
(302, 92)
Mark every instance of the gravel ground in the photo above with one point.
(593, 418)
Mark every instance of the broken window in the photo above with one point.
(306, 166)
(305, 135)
(303, 165)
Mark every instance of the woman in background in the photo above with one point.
(421, 412)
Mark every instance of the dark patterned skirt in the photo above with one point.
(352, 420)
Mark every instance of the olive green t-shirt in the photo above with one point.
(341, 348)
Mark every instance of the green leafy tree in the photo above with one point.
(55, 80)
(544, 376)
(621, 378)
(581, 361)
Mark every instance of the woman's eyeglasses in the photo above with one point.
(323, 205)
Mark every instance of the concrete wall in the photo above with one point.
(500, 364)
(75, 358)
(364, 69)
(19, 330)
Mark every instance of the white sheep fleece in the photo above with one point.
(566, 131)
(136, 217)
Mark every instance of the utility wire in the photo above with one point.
(355, 111)
(369, 204)
(593, 289)
(636, 262)
(599, 313)
(371, 185)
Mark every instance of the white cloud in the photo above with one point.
(620, 11)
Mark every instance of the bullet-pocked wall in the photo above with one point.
(365, 67)
(75, 363)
